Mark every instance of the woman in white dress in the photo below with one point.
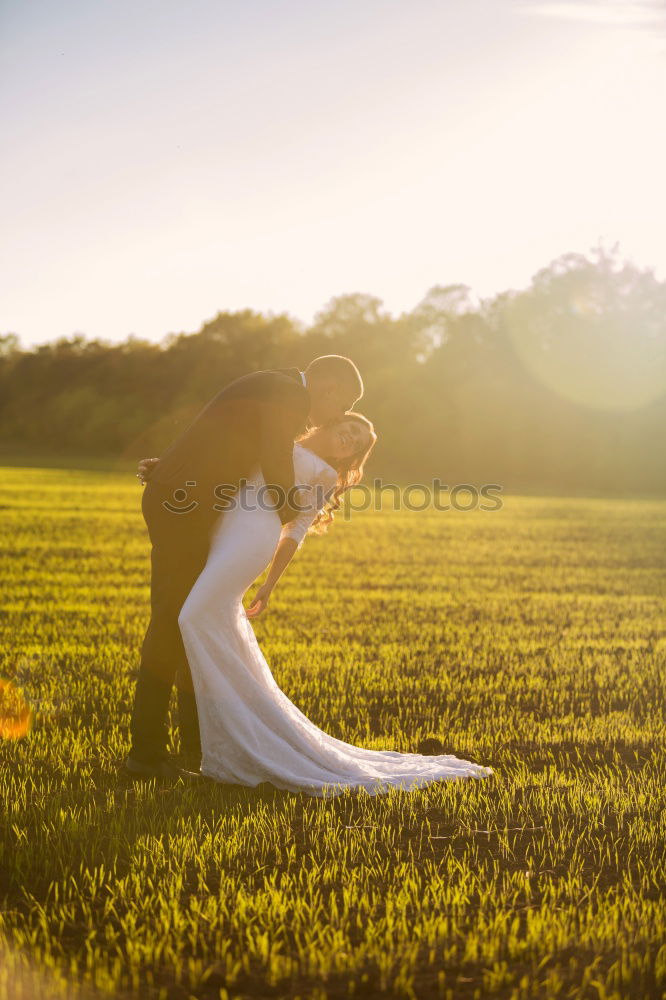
(250, 730)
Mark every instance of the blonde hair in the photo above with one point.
(350, 472)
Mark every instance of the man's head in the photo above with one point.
(334, 384)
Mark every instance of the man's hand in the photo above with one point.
(146, 466)
(259, 602)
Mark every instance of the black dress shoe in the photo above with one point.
(189, 760)
(164, 769)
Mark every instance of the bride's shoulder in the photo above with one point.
(315, 465)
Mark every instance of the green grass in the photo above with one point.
(532, 639)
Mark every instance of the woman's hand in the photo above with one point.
(259, 602)
(146, 466)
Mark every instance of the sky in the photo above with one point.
(166, 160)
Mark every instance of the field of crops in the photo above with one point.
(532, 638)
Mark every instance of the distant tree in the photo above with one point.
(594, 329)
(9, 344)
(561, 385)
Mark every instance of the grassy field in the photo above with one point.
(532, 639)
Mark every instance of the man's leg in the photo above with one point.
(188, 724)
(177, 559)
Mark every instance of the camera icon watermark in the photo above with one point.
(179, 496)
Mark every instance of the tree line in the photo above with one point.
(558, 386)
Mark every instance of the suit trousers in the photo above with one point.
(180, 544)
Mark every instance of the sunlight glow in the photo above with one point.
(616, 365)
(646, 13)
(15, 714)
(225, 161)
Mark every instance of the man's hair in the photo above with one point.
(339, 369)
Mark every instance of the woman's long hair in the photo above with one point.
(350, 472)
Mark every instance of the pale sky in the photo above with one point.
(166, 160)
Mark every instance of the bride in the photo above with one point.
(250, 730)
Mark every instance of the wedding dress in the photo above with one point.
(250, 731)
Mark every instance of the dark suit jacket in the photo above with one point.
(253, 420)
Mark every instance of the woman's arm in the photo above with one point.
(284, 553)
(292, 536)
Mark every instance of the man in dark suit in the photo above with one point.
(253, 420)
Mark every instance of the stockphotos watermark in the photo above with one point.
(250, 495)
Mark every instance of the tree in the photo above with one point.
(594, 329)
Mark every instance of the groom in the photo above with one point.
(252, 421)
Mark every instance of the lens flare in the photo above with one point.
(597, 353)
(15, 713)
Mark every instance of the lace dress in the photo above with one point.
(250, 730)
